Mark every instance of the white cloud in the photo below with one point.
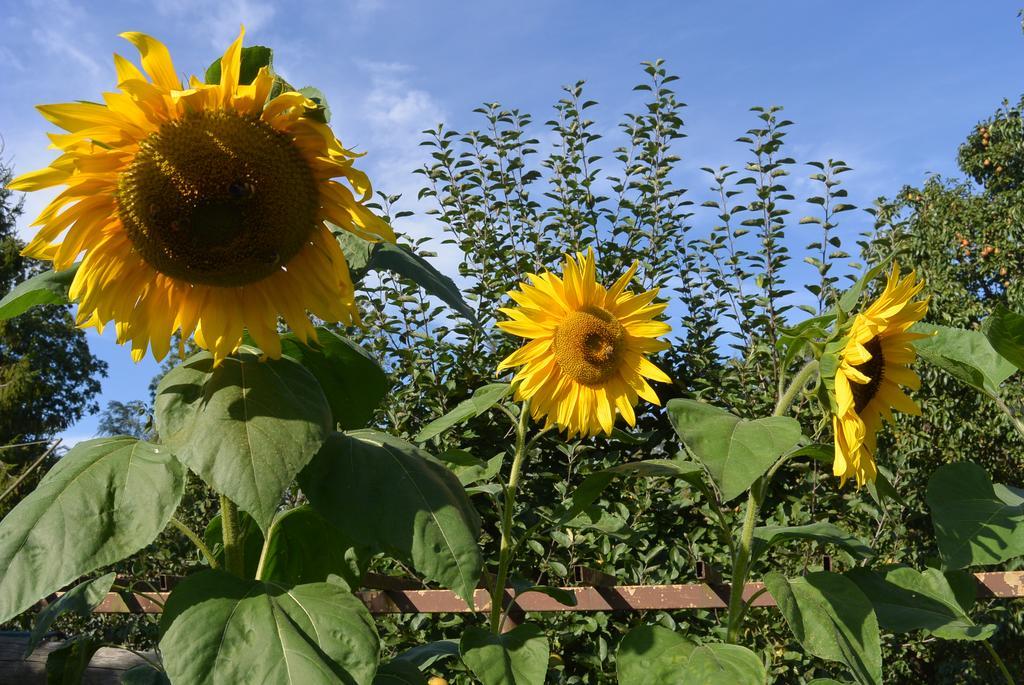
(218, 20)
(395, 114)
(58, 32)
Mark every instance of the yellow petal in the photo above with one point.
(156, 60)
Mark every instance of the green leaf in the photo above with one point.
(323, 111)
(254, 57)
(832, 619)
(425, 656)
(469, 469)
(306, 548)
(250, 536)
(144, 674)
(386, 494)
(218, 628)
(594, 484)
(357, 251)
(906, 600)
(49, 287)
(718, 664)
(103, 501)
(81, 600)
(1005, 332)
(559, 594)
(973, 526)
(483, 398)
(849, 299)
(351, 379)
(247, 427)
(735, 452)
(66, 665)
(401, 260)
(822, 531)
(399, 673)
(966, 355)
(518, 657)
(654, 655)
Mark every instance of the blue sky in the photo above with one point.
(891, 88)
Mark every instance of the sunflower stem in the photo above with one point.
(999, 662)
(755, 497)
(233, 561)
(802, 377)
(196, 540)
(504, 555)
(741, 560)
(1017, 423)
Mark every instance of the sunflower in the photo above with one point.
(585, 358)
(200, 209)
(872, 365)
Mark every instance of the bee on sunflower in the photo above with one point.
(585, 360)
(200, 208)
(870, 362)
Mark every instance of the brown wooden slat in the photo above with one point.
(616, 598)
(106, 667)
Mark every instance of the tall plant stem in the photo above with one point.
(504, 551)
(999, 663)
(233, 561)
(755, 497)
(796, 385)
(1017, 423)
(196, 540)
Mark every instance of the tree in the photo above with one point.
(48, 376)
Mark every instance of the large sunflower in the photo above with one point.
(200, 209)
(873, 364)
(585, 359)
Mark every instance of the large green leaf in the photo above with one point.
(218, 628)
(66, 665)
(399, 673)
(144, 674)
(736, 452)
(518, 657)
(253, 58)
(832, 619)
(81, 600)
(483, 399)
(906, 599)
(386, 494)
(718, 664)
(966, 355)
(973, 525)
(401, 260)
(424, 656)
(1005, 332)
(653, 655)
(351, 379)
(305, 547)
(247, 427)
(103, 501)
(49, 287)
(821, 531)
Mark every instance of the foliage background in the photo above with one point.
(513, 194)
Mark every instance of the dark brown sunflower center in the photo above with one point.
(588, 345)
(874, 369)
(218, 198)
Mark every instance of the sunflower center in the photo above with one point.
(874, 369)
(218, 198)
(588, 345)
